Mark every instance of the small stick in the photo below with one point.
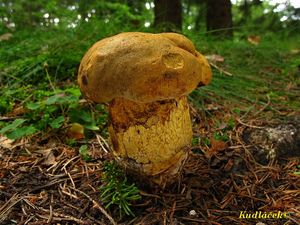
(5, 209)
(172, 213)
(50, 210)
(67, 163)
(290, 218)
(220, 69)
(263, 108)
(96, 205)
(61, 217)
(6, 118)
(100, 140)
(247, 125)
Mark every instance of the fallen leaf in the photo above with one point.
(32, 198)
(229, 165)
(2, 174)
(212, 107)
(5, 142)
(49, 158)
(295, 51)
(217, 146)
(6, 36)
(23, 169)
(222, 126)
(18, 111)
(254, 39)
(215, 58)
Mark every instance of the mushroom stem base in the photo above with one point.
(151, 139)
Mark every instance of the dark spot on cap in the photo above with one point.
(169, 75)
(200, 84)
(84, 80)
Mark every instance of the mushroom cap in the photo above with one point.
(142, 67)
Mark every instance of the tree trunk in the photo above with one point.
(168, 15)
(245, 9)
(219, 18)
(83, 8)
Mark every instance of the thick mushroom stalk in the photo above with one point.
(151, 139)
(146, 79)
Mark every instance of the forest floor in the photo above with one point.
(45, 175)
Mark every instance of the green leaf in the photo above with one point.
(237, 111)
(195, 141)
(231, 123)
(74, 91)
(221, 137)
(84, 118)
(83, 151)
(91, 127)
(81, 116)
(52, 100)
(69, 99)
(57, 123)
(16, 123)
(61, 99)
(21, 132)
(33, 105)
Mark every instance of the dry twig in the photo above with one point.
(96, 205)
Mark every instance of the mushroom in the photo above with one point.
(146, 78)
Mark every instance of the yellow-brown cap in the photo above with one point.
(142, 67)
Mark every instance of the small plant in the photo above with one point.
(195, 141)
(16, 129)
(83, 151)
(116, 190)
(71, 142)
(298, 170)
(224, 129)
(230, 124)
(221, 136)
(237, 111)
(205, 141)
(198, 143)
(50, 110)
(9, 97)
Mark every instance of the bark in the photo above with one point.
(245, 8)
(219, 18)
(168, 15)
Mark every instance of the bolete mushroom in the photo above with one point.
(146, 78)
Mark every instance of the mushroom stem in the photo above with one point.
(151, 139)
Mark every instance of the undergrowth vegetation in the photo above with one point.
(27, 64)
(257, 72)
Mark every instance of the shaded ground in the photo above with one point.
(44, 181)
